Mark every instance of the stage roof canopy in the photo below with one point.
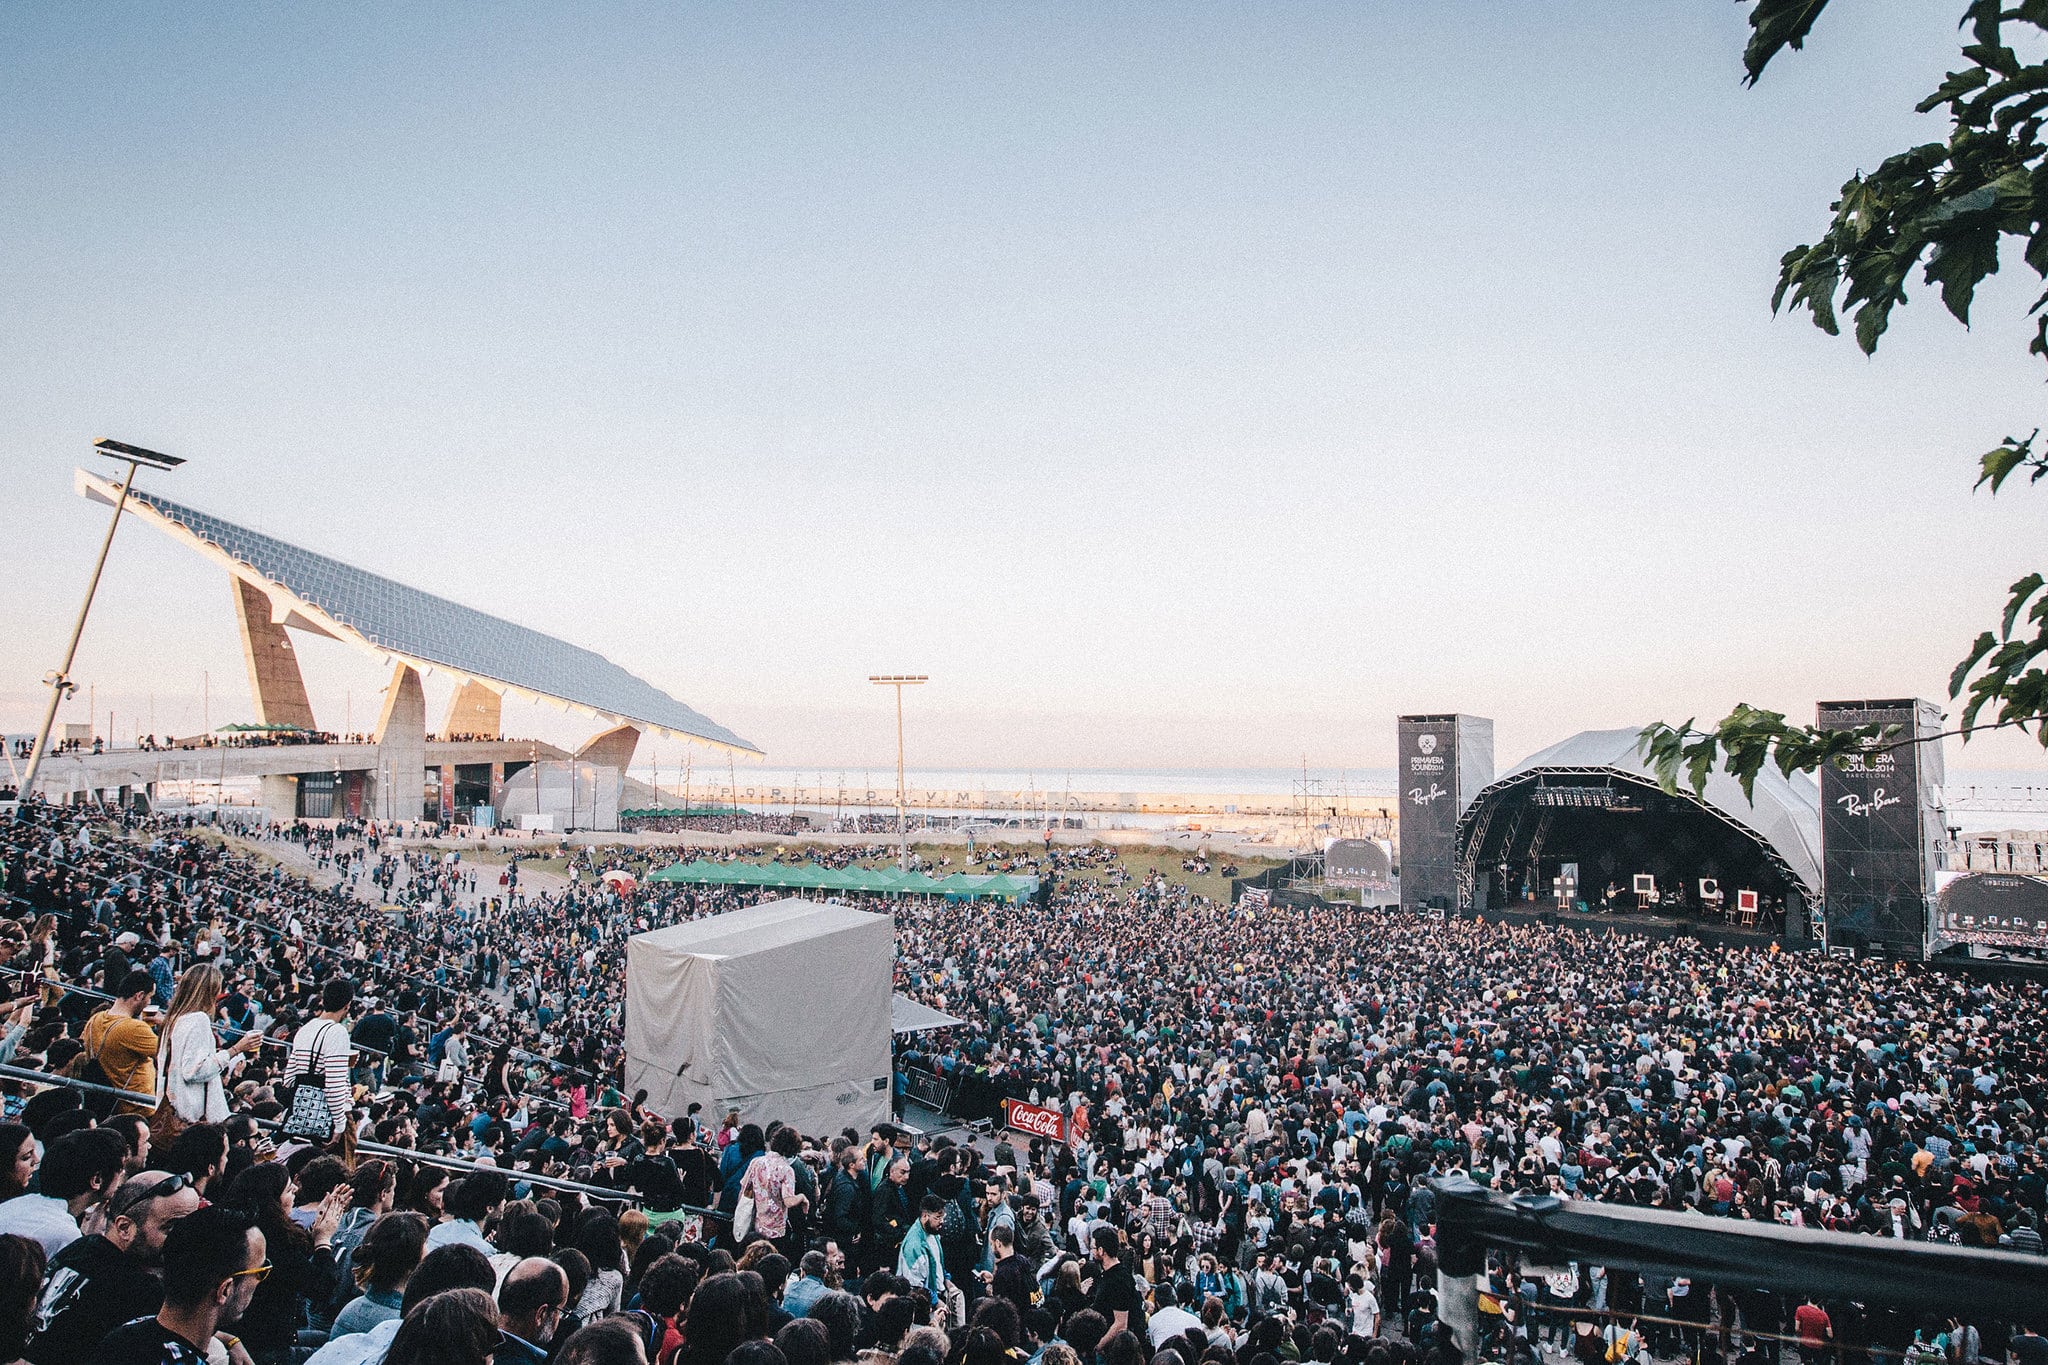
(311, 592)
(1785, 814)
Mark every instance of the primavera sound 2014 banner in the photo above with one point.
(1878, 822)
(1443, 762)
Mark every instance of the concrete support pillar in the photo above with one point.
(612, 749)
(276, 684)
(474, 710)
(280, 796)
(402, 748)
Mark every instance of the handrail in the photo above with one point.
(22, 1073)
(413, 1154)
(457, 1163)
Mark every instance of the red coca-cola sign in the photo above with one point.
(1035, 1120)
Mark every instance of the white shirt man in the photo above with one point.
(1169, 1319)
(1364, 1307)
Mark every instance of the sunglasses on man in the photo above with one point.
(130, 1195)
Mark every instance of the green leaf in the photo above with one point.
(1958, 263)
(2021, 591)
(1774, 26)
(2003, 60)
(1871, 320)
(1958, 84)
(1982, 18)
(1997, 464)
(1986, 642)
(1813, 277)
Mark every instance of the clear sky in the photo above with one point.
(1178, 385)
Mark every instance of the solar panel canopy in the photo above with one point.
(387, 616)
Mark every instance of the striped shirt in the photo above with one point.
(322, 1045)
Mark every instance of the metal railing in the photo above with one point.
(22, 1073)
(446, 1161)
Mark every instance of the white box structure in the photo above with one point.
(780, 1010)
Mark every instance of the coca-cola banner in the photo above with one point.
(1879, 819)
(1443, 763)
(1035, 1120)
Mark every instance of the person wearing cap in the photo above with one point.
(115, 962)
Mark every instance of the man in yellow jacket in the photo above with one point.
(122, 1043)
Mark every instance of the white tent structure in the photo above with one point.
(781, 1010)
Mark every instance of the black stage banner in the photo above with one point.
(1878, 821)
(1444, 761)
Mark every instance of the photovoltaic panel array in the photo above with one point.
(406, 621)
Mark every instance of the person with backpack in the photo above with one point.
(959, 1225)
(1625, 1345)
(120, 1048)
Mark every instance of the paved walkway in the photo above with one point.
(296, 858)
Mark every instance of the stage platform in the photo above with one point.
(1647, 923)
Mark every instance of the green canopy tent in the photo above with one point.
(993, 885)
(811, 877)
(895, 881)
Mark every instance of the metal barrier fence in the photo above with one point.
(22, 1073)
(1545, 1231)
(927, 1089)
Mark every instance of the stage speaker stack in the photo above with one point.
(1879, 819)
(1444, 761)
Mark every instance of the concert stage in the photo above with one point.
(1647, 923)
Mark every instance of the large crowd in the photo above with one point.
(368, 1111)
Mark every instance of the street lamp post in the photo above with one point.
(59, 682)
(899, 681)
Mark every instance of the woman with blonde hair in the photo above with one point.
(190, 1062)
(42, 942)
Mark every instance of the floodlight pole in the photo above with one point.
(900, 681)
(59, 682)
